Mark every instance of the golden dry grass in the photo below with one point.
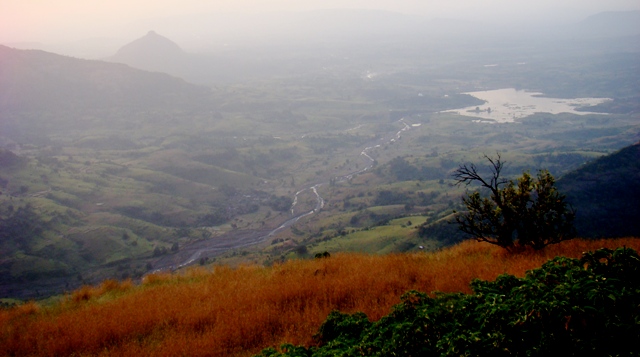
(237, 312)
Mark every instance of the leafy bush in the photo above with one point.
(569, 307)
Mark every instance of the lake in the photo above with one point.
(508, 105)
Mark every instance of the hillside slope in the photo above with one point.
(237, 312)
(37, 80)
(605, 194)
(555, 310)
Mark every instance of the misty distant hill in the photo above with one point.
(38, 80)
(152, 52)
(605, 194)
(354, 23)
(351, 23)
(612, 24)
(156, 53)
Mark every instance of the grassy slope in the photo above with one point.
(236, 312)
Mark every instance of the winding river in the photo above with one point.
(192, 253)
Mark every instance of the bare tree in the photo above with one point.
(526, 212)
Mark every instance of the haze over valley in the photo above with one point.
(227, 137)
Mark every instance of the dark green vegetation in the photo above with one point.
(125, 168)
(525, 212)
(571, 307)
(602, 193)
(605, 193)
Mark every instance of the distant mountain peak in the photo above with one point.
(151, 43)
(152, 52)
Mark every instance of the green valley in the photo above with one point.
(112, 172)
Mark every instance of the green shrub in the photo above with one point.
(569, 307)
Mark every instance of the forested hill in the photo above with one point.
(605, 194)
(38, 80)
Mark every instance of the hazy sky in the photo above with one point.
(70, 20)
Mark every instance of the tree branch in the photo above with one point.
(468, 174)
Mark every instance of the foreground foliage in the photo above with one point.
(569, 307)
(240, 311)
